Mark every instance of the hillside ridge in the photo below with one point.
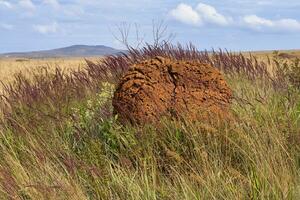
(69, 51)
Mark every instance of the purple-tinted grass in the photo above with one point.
(59, 88)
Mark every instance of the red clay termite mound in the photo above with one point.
(163, 87)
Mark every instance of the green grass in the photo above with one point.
(253, 155)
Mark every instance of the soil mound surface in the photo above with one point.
(163, 87)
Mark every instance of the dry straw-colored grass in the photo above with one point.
(57, 141)
(10, 66)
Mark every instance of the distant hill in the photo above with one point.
(71, 51)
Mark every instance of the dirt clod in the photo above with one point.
(164, 87)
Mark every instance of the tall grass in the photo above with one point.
(9, 66)
(60, 140)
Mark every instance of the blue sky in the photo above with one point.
(233, 24)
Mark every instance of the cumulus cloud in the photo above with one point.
(186, 14)
(210, 14)
(206, 14)
(46, 28)
(6, 4)
(203, 13)
(27, 4)
(259, 23)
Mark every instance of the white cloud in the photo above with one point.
(6, 26)
(46, 28)
(185, 14)
(27, 4)
(54, 3)
(203, 13)
(289, 24)
(259, 23)
(211, 15)
(206, 14)
(6, 4)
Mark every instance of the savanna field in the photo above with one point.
(60, 139)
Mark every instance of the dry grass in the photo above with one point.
(55, 142)
(266, 55)
(10, 66)
(269, 53)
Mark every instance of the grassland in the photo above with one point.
(60, 140)
(293, 53)
(10, 66)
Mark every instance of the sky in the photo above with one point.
(238, 25)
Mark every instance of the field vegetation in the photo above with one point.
(11, 66)
(59, 138)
